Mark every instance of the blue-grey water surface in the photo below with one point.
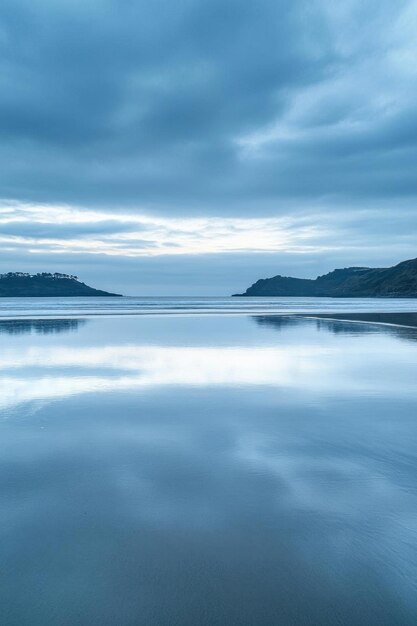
(207, 470)
(70, 307)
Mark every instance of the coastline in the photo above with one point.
(407, 319)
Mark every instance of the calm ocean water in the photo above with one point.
(51, 307)
(206, 470)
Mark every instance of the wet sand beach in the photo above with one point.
(396, 319)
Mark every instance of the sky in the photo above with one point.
(192, 147)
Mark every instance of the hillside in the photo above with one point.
(399, 281)
(19, 284)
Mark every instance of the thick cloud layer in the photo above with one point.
(262, 108)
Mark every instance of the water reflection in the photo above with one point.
(53, 372)
(267, 480)
(42, 327)
(402, 326)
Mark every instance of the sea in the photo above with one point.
(207, 462)
(63, 307)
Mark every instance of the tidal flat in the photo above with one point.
(208, 470)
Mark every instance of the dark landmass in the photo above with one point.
(19, 284)
(399, 281)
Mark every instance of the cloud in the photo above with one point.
(207, 127)
(115, 104)
(70, 230)
(141, 253)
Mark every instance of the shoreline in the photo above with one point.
(405, 319)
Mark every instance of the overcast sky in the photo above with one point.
(193, 146)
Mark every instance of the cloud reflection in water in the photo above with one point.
(53, 371)
(222, 477)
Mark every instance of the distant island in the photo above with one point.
(399, 281)
(20, 284)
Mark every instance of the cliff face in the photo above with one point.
(17, 284)
(399, 281)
